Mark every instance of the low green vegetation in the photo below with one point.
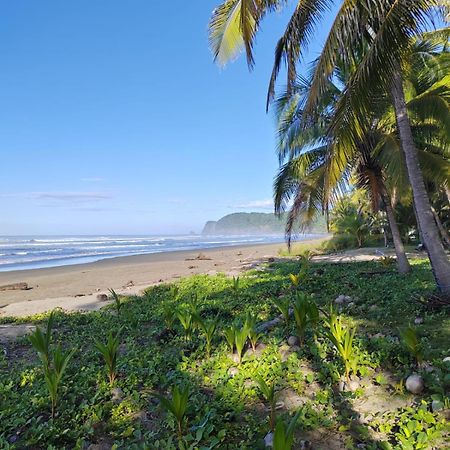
(209, 375)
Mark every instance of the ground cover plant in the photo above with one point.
(194, 379)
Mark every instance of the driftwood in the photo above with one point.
(15, 287)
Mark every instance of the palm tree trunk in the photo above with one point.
(439, 261)
(442, 230)
(402, 260)
(447, 192)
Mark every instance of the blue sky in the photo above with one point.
(114, 119)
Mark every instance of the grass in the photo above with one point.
(225, 410)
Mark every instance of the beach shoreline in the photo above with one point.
(76, 287)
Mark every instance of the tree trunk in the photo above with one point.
(447, 193)
(402, 260)
(439, 261)
(442, 230)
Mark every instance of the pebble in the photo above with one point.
(414, 384)
(292, 340)
(268, 440)
(116, 395)
(102, 297)
(351, 304)
(232, 371)
(437, 405)
(340, 300)
(418, 320)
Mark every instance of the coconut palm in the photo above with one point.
(376, 162)
(381, 30)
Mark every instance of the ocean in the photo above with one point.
(34, 252)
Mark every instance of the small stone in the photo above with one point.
(233, 371)
(116, 395)
(352, 386)
(378, 336)
(102, 297)
(340, 300)
(351, 305)
(418, 320)
(437, 405)
(347, 298)
(414, 384)
(292, 340)
(268, 440)
(249, 384)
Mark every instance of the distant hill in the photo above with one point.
(253, 223)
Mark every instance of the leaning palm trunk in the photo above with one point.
(439, 262)
(444, 235)
(402, 260)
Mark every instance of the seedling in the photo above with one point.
(110, 352)
(117, 302)
(295, 280)
(411, 341)
(342, 337)
(176, 406)
(284, 435)
(240, 338)
(236, 281)
(41, 341)
(229, 334)
(169, 314)
(208, 329)
(305, 313)
(253, 335)
(268, 392)
(186, 319)
(54, 372)
(283, 304)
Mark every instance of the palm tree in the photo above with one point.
(381, 31)
(377, 161)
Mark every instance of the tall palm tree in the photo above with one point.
(382, 31)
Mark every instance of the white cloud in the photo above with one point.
(256, 204)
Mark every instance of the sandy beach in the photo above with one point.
(77, 287)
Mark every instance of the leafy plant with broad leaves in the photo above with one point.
(269, 394)
(177, 406)
(283, 437)
(342, 336)
(110, 353)
(411, 341)
(283, 303)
